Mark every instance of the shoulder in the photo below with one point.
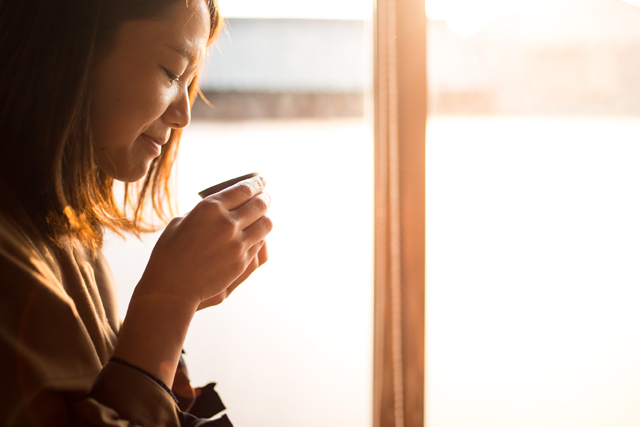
(45, 341)
(23, 255)
(30, 277)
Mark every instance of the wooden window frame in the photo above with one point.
(400, 111)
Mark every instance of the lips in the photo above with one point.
(159, 141)
(154, 145)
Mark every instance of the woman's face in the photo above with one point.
(139, 90)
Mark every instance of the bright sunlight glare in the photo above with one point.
(532, 271)
(327, 9)
(464, 17)
(467, 17)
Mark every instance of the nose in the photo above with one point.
(178, 114)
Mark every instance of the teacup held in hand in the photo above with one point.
(219, 187)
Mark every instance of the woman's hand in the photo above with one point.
(198, 260)
(256, 262)
(205, 255)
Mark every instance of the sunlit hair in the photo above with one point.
(47, 159)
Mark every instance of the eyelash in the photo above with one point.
(172, 77)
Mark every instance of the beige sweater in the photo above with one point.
(58, 323)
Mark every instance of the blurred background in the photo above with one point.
(533, 237)
(290, 93)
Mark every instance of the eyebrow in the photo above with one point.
(193, 59)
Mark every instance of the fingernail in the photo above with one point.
(264, 181)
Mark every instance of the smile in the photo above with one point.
(155, 146)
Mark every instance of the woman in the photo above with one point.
(93, 92)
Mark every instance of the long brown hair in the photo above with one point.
(47, 159)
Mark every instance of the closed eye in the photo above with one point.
(172, 77)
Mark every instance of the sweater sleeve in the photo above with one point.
(124, 396)
(55, 344)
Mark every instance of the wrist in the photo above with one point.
(160, 288)
(153, 332)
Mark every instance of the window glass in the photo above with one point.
(533, 238)
(290, 91)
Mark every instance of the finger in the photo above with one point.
(252, 210)
(257, 231)
(263, 254)
(211, 301)
(240, 193)
(253, 251)
(215, 300)
(251, 267)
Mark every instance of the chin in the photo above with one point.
(133, 177)
(130, 176)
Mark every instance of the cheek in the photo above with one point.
(123, 110)
(145, 99)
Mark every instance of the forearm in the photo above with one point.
(153, 333)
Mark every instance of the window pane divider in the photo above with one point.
(400, 111)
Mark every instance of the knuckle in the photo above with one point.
(230, 228)
(267, 223)
(209, 208)
(234, 225)
(261, 204)
(245, 190)
(214, 207)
